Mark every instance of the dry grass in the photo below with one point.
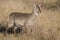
(46, 27)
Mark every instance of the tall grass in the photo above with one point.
(47, 26)
(58, 3)
(52, 5)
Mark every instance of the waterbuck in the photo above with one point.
(24, 19)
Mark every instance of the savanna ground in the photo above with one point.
(47, 25)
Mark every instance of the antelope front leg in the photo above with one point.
(25, 29)
(15, 30)
(29, 29)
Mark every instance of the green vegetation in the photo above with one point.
(52, 5)
(58, 3)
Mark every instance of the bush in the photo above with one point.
(58, 3)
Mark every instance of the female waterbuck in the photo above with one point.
(24, 19)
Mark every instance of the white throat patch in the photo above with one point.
(36, 14)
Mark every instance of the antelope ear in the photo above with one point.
(40, 7)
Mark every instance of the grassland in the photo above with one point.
(47, 25)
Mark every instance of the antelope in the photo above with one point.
(24, 19)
